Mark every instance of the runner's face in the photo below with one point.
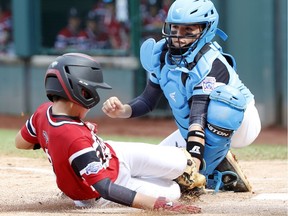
(181, 31)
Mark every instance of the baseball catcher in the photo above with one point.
(213, 109)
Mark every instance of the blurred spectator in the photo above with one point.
(166, 5)
(152, 19)
(67, 38)
(116, 30)
(95, 35)
(6, 39)
(102, 30)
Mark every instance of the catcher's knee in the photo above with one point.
(224, 116)
(225, 110)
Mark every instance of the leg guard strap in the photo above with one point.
(219, 180)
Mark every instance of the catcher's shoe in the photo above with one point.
(228, 176)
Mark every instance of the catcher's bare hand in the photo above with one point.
(114, 108)
(163, 204)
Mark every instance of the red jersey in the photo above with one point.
(79, 157)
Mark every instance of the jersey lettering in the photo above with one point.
(48, 156)
(102, 151)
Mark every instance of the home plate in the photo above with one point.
(271, 196)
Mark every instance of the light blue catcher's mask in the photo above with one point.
(187, 12)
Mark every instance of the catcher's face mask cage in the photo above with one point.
(169, 34)
(75, 77)
(187, 13)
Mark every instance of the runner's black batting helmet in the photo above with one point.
(75, 77)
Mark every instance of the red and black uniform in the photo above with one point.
(79, 158)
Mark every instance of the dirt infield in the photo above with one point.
(27, 186)
(28, 189)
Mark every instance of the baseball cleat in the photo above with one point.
(228, 176)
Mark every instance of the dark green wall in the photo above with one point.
(257, 33)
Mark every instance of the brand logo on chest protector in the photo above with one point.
(172, 96)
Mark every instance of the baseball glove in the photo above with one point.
(191, 178)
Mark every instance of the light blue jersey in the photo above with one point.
(169, 77)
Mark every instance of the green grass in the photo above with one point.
(267, 151)
(262, 152)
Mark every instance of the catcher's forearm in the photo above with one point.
(196, 143)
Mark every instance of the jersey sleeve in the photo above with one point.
(218, 75)
(28, 131)
(147, 101)
(93, 162)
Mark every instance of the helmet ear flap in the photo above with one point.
(53, 87)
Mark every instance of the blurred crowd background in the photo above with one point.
(84, 26)
(33, 32)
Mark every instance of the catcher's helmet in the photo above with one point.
(75, 77)
(191, 12)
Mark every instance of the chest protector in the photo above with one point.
(178, 82)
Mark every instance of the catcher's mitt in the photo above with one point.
(191, 178)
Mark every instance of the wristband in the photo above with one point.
(196, 133)
(196, 149)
